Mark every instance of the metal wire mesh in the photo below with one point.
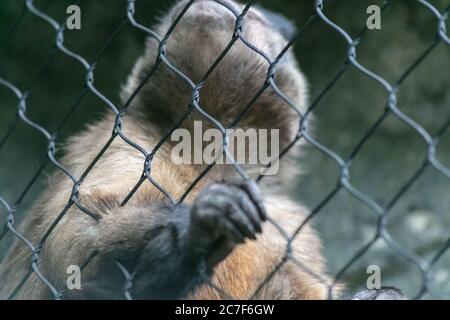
(430, 159)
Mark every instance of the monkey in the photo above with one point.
(228, 233)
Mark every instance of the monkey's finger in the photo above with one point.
(253, 192)
(232, 213)
(245, 203)
(231, 229)
(240, 221)
(250, 210)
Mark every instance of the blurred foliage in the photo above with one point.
(420, 220)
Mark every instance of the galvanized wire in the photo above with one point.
(344, 183)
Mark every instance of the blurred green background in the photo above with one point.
(419, 221)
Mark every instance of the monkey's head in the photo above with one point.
(203, 31)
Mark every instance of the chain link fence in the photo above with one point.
(344, 183)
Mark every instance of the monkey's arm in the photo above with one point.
(155, 243)
(169, 249)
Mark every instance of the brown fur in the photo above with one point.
(200, 37)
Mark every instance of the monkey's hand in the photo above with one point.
(176, 245)
(223, 216)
